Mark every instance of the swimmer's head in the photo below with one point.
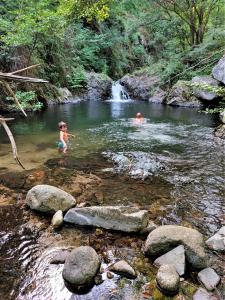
(62, 125)
(138, 115)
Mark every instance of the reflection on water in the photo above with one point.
(175, 147)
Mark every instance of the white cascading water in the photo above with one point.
(118, 92)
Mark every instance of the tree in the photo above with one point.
(194, 13)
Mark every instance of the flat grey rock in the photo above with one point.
(202, 294)
(168, 279)
(209, 278)
(163, 238)
(217, 241)
(175, 257)
(122, 218)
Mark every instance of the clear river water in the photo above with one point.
(172, 163)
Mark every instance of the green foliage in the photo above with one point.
(77, 80)
(27, 100)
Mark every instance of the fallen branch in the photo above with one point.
(7, 86)
(11, 77)
(24, 69)
(11, 138)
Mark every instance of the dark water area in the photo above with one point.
(170, 165)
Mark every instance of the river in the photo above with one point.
(178, 170)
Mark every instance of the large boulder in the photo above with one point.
(140, 86)
(98, 86)
(80, 267)
(163, 238)
(218, 71)
(122, 218)
(158, 96)
(168, 279)
(64, 95)
(204, 86)
(49, 199)
(181, 95)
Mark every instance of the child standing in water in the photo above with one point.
(63, 137)
(138, 119)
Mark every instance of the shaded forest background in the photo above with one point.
(174, 39)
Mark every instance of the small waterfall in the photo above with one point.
(118, 92)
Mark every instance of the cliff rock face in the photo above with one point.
(204, 87)
(181, 95)
(141, 86)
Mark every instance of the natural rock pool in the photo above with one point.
(170, 165)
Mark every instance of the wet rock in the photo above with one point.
(123, 268)
(57, 219)
(222, 117)
(64, 95)
(218, 71)
(122, 218)
(168, 279)
(81, 266)
(150, 227)
(175, 257)
(181, 95)
(158, 97)
(109, 275)
(98, 86)
(163, 238)
(220, 131)
(209, 278)
(60, 257)
(202, 294)
(203, 87)
(140, 86)
(217, 241)
(47, 198)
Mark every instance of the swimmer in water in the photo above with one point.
(139, 118)
(63, 137)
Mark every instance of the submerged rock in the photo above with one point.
(209, 278)
(122, 218)
(181, 95)
(175, 257)
(47, 198)
(123, 268)
(138, 165)
(163, 238)
(217, 241)
(57, 219)
(60, 257)
(218, 71)
(81, 266)
(204, 87)
(168, 279)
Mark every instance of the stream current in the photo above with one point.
(173, 155)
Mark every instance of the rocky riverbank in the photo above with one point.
(121, 261)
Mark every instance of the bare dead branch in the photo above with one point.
(11, 138)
